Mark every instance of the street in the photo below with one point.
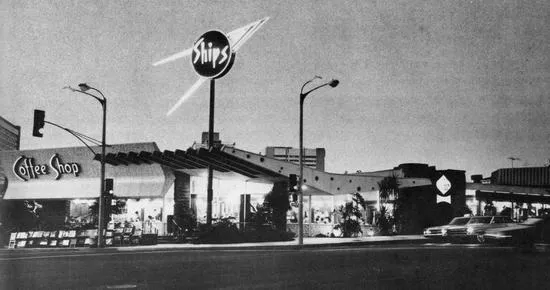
(427, 266)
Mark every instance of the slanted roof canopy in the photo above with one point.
(230, 162)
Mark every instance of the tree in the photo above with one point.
(351, 215)
(277, 201)
(383, 221)
(388, 188)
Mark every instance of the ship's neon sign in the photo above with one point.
(207, 53)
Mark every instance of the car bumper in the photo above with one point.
(497, 236)
(429, 235)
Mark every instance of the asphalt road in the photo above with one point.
(367, 267)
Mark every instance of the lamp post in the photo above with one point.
(333, 83)
(103, 101)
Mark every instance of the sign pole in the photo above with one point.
(210, 192)
(211, 57)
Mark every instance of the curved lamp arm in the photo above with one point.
(333, 83)
(302, 90)
(83, 90)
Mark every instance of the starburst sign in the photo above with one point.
(236, 39)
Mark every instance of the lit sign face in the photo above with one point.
(443, 185)
(25, 168)
(211, 55)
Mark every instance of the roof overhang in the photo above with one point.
(523, 194)
(232, 163)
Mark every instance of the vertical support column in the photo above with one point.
(333, 208)
(311, 217)
(244, 211)
(478, 199)
(67, 209)
(182, 196)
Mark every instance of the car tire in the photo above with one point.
(480, 239)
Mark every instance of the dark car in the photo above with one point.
(440, 232)
(527, 233)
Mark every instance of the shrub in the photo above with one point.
(220, 233)
(351, 215)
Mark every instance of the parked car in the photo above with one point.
(526, 233)
(476, 227)
(440, 232)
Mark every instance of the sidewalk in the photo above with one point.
(308, 243)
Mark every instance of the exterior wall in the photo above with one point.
(427, 205)
(314, 158)
(10, 135)
(526, 176)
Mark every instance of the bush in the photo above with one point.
(267, 235)
(221, 233)
(226, 232)
(351, 215)
(383, 222)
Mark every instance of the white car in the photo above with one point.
(476, 227)
(440, 232)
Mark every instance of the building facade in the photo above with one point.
(314, 158)
(514, 192)
(10, 135)
(59, 186)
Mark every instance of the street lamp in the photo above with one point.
(84, 88)
(333, 83)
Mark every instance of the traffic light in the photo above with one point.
(292, 182)
(38, 123)
(293, 186)
(108, 186)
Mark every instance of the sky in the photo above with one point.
(455, 84)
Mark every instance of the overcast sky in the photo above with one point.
(455, 84)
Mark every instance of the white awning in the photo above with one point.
(130, 181)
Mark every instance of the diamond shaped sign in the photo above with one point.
(444, 185)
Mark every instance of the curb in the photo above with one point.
(214, 247)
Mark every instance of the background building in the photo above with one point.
(10, 135)
(314, 158)
(204, 138)
(514, 192)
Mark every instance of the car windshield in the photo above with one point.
(459, 221)
(480, 220)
